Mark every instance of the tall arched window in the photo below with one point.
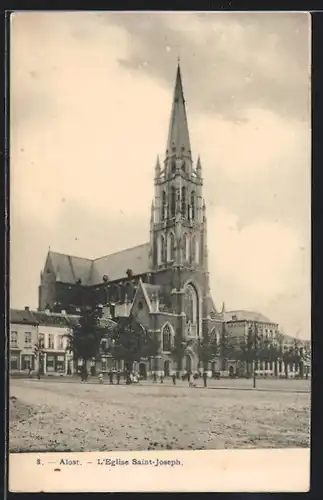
(163, 207)
(186, 243)
(171, 247)
(193, 204)
(167, 338)
(194, 248)
(172, 201)
(184, 200)
(191, 305)
(161, 249)
(197, 249)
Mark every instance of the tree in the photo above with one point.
(39, 352)
(84, 338)
(208, 349)
(227, 346)
(130, 341)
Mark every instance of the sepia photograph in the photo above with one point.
(160, 192)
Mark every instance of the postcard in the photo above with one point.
(159, 325)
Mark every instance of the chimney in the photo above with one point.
(26, 308)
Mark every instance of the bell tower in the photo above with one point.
(178, 222)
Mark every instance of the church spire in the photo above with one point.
(178, 136)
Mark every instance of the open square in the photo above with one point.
(58, 416)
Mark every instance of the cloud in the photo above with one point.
(257, 60)
(89, 116)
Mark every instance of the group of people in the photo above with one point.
(191, 378)
(134, 377)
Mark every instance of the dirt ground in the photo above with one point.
(55, 416)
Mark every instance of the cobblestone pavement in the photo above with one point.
(54, 416)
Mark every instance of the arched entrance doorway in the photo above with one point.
(143, 370)
(166, 368)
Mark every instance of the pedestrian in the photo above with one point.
(118, 377)
(174, 378)
(205, 378)
(161, 377)
(154, 377)
(111, 377)
(29, 371)
(100, 377)
(189, 377)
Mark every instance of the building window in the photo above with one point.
(13, 339)
(171, 247)
(186, 243)
(163, 208)
(50, 341)
(50, 366)
(61, 342)
(191, 305)
(167, 338)
(27, 339)
(183, 201)
(194, 249)
(161, 249)
(104, 366)
(193, 204)
(41, 340)
(60, 364)
(197, 250)
(14, 362)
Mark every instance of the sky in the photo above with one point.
(91, 96)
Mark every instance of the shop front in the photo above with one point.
(15, 360)
(55, 363)
(27, 362)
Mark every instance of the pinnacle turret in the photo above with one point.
(157, 167)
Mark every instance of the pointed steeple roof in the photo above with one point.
(178, 135)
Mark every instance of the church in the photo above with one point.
(165, 281)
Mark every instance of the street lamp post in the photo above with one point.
(255, 343)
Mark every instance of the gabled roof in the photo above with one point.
(51, 319)
(23, 317)
(115, 265)
(69, 269)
